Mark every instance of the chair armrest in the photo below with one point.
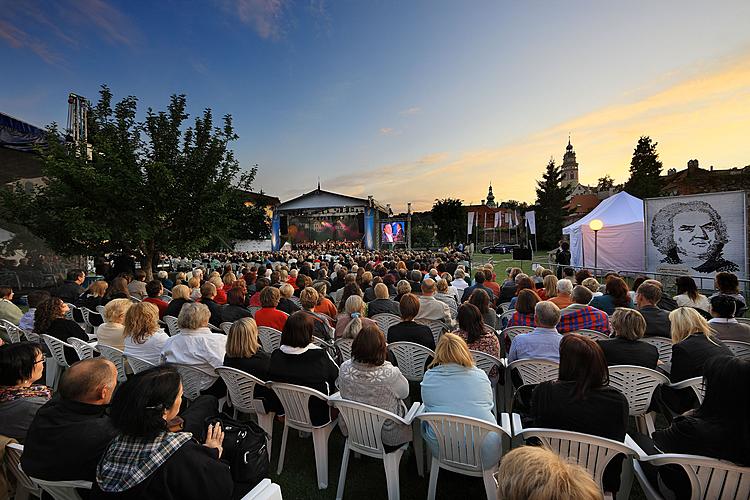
(640, 454)
(505, 424)
(690, 382)
(517, 425)
(412, 413)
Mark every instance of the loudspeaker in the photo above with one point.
(361, 223)
(522, 254)
(284, 224)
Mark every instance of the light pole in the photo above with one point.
(596, 225)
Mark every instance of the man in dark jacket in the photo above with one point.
(657, 320)
(71, 289)
(479, 278)
(382, 303)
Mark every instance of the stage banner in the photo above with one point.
(470, 223)
(531, 221)
(697, 235)
(369, 228)
(276, 232)
(497, 219)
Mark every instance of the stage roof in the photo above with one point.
(325, 199)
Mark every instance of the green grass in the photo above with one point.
(503, 261)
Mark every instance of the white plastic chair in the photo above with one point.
(695, 383)
(663, 344)
(638, 384)
(135, 299)
(532, 372)
(69, 314)
(240, 388)
(385, 321)
(270, 338)
(512, 331)
(505, 306)
(12, 330)
(436, 327)
(364, 424)
(505, 317)
(100, 310)
(592, 334)
(137, 364)
(486, 362)
(63, 490)
(411, 359)
(57, 349)
(24, 485)
(593, 453)
(460, 442)
(191, 380)
(345, 345)
(226, 326)
(85, 350)
(171, 322)
(739, 349)
(116, 356)
(294, 399)
(90, 328)
(253, 310)
(264, 490)
(743, 320)
(710, 479)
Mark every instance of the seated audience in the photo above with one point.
(180, 297)
(244, 353)
(50, 319)
(402, 288)
(688, 295)
(21, 365)
(628, 326)
(479, 278)
(474, 332)
(431, 309)
(594, 286)
(723, 322)
(382, 302)
(285, 303)
(481, 300)
(117, 289)
(268, 315)
(208, 294)
(581, 399)
(254, 301)
(443, 295)
(154, 290)
(163, 276)
(198, 346)
(324, 305)
(508, 288)
(523, 282)
(301, 362)
(221, 295)
(137, 287)
(34, 298)
(236, 306)
(309, 298)
(549, 289)
(111, 332)
(351, 321)
(71, 288)
(615, 295)
(459, 283)
(489, 281)
(70, 433)
(8, 310)
(728, 284)
(523, 314)
(536, 473)
(657, 320)
(194, 284)
(94, 296)
(408, 330)
(368, 378)
(147, 461)
(142, 336)
(544, 341)
(581, 316)
(564, 290)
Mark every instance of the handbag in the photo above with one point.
(245, 449)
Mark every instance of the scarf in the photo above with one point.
(35, 391)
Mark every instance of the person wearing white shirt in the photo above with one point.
(429, 307)
(198, 346)
(459, 283)
(143, 338)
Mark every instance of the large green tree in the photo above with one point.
(645, 170)
(449, 217)
(151, 187)
(551, 206)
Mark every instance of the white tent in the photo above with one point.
(620, 241)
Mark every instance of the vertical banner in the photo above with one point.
(276, 232)
(531, 221)
(497, 219)
(469, 223)
(369, 228)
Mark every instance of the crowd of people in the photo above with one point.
(142, 439)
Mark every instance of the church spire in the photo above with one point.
(491, 198)
(318, 183)
(570, 146)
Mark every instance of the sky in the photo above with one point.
(406, 101)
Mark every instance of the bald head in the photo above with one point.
(89, 381)
(428, 286)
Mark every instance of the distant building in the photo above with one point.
(695, 180)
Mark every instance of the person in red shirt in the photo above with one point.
(268, 315)
(154, 290)
(489, 282)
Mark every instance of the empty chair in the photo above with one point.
(411, 359)
(57, 348)
(385, 321)
(116, 356)
(364, 424)
(638, 385)
(664, 345)
(264, 490)
(24, 485)
(270, 338)
(487, 362)
(137, 364)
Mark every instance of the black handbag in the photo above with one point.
(245, 449)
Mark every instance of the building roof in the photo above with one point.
(581, 204)
(319, 198)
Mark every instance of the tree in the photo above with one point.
(605, 183)
(449, 217)
(645, 170)
(149, 188)
(551, 206)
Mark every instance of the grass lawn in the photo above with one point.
(503, 261)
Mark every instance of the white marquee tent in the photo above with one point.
(621, 240)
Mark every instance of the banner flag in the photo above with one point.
(531, 221)
(470, 223)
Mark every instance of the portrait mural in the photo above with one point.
(698, 235)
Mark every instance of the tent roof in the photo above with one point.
(324, 199)
(616, 210)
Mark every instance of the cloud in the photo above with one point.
(19, 39)
(265, 17)
(410, 111)
(389, 131)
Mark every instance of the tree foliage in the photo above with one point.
(149, 187)
(449, 217)
(605, 183)
(551, 206)
(645, 170)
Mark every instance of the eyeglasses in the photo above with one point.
(40, 361)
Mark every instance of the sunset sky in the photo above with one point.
(407, 101)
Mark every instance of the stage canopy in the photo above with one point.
(621, 243)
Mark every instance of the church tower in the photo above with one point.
(569, 167)
(491, 199)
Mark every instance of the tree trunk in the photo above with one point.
(148, 260)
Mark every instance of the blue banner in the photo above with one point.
(276, 232)
(370, 228)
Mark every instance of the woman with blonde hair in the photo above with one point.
(549, 289)
(143, 337)
(350, 322)
(180, 297)
(244, 353)
(194, 284)
(111, 332)
(628, 326)
(221, 295)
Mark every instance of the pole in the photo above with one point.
(408, 219)
(596, 251)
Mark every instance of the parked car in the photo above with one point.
(500, 248)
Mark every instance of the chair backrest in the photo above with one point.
(320, 342)
(69, 314)
(385, 321)
(637, 384)
(743, 320)
(486, 362)
(740, 349)
(135, 299)
(240, 388)
(63, 490)
(226, 326)
(137, 364)
(505, 317)
(296, 301)
(116, 356)
(191, 380)
(710, 479)
(264, 490)
(696, 384)
(100, 310)
(13, 452)
(171, 322)
(411, 359)
(294, 399)
(460, 440)
(436, 327)
(253, 310)
(32, 337)
(364, 424)
(505, 306)
(535, 371)
(345, 345)
(270, 338)
(83, 348)
(12, 330)
(663, 344)
(57, 348)
(512, 331)
(592, 334)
